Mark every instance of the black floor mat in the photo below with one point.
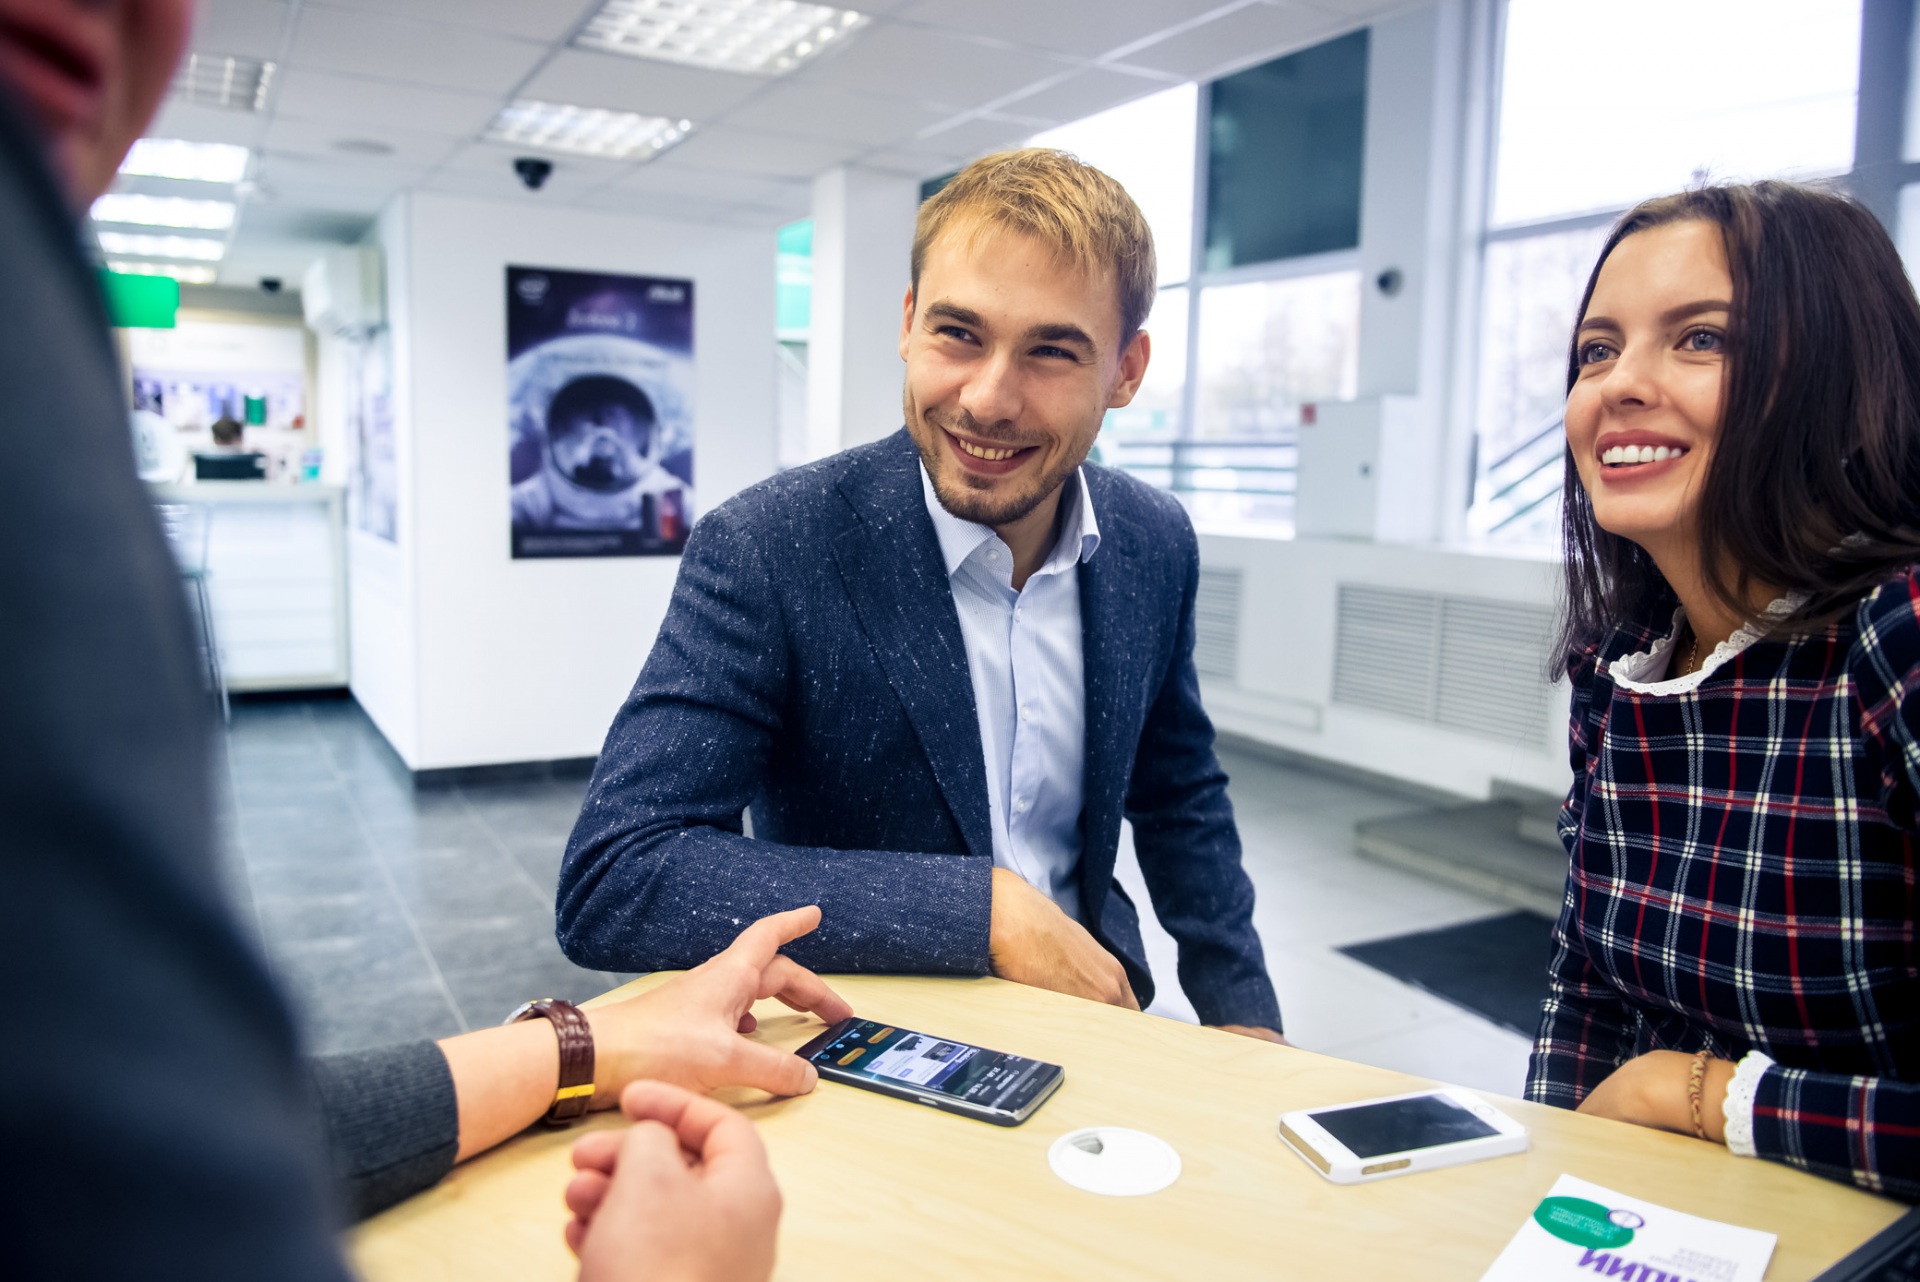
(1495, 967)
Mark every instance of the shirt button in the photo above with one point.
(1020, 805)
(1024, 713)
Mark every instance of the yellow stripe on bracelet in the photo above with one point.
(573, 1092)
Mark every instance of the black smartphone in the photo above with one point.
(971, 1080)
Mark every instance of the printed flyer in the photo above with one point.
(1581, 1230)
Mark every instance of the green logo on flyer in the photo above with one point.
(1583, 1223)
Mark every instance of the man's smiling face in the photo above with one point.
(1013, 359)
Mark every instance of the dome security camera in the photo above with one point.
(270, 284)
(533, 171)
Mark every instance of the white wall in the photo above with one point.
(862, 241)
(1284, 692)
(528, 660)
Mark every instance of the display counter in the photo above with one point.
(275, 564)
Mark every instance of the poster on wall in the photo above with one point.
(599, 412)
(373, 478)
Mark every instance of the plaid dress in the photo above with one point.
(1742, 878)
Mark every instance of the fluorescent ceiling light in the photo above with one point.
(185, 273)
(586, 131)
(194, 247)
(767, 37)
(207, 162)
(222, 80)
(163, 211)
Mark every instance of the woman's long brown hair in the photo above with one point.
(1814, 486)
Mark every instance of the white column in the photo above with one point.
(862, 238)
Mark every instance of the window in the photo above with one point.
(1595, 114)
(792, 314)
(1278, 291)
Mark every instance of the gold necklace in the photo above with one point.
(1693, 649)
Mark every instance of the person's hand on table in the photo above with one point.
(1030, 941)
(1651, 1090)
(685, 1193)
(1254, 1031)
(688, 1030)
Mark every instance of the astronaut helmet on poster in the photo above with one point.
(599, 408)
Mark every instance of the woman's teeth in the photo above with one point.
(992, 456)
(1621, 455)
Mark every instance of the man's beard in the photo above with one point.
(953, 485)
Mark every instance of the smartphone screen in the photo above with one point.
(1395, 1126)
(883, 1054)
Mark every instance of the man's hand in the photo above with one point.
(688, 1030)
(1254, 1031)
(686, 1193)
(1651, 1090)
(1032, 942)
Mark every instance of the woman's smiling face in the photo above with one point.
(1644, 410)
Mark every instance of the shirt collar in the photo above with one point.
(960, 538)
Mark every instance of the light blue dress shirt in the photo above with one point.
(1029, 686)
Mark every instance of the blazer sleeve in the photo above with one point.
(1586, 1028)
(658, 874)
(1189, 849)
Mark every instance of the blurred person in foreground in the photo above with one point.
(1735, 959)
(155, 1118)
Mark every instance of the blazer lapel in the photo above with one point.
(890, 564)
(1113, 707)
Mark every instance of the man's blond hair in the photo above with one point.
(1083, 215)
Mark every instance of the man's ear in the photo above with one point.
(906, 322)
(1133, 368)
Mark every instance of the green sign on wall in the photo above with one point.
(140, 302)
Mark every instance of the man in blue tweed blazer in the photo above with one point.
(939, 669)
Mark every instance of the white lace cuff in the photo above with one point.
(1737, 1111)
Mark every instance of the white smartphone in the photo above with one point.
(1377, 1139)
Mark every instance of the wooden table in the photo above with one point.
(930, 1195)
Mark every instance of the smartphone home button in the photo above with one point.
(1381, 1168)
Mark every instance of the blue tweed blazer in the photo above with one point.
(811, 667)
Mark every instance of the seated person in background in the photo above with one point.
(160, 1126)
(941, 668)
(399, 1117)
(1736, 955)
(227, 433)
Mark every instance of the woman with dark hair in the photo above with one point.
(1736, 954)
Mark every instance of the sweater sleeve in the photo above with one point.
(392, 1122)
(1586, 1029)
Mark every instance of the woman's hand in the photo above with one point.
(688, 1030)
(1651, 1090)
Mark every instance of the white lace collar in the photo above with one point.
(1645, 671)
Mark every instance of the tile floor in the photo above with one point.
(392, 913)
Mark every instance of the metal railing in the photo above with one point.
(1518, 483)
(1244, 465)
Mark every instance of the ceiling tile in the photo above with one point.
(545, 20)
(668, 177)
(978, 137)
(316, 138)
(832, 115)
(323, 196)
(1083, 28)
(251, 28)
(910, 164)
(1240, 39)
(204, 124)
(283, 174)
(725, 147)
(429, 53)
(1083, 94)
(360, 106)
(588, 78)
(930, 66)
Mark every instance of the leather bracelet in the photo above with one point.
(1696, 1077)
(575, 1092)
